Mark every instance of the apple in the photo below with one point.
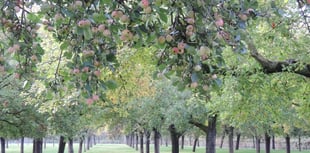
(17, 76)
(190, 28)
(124, 19)
(175, 50)
(101, 28)
(78, 4)
(85, 69)
(197, 68)
(106, 32)
(89, 101)
(219, 22)
(97, 73)
(97, 63)
(190, 20)
(34, 58)
(76, 71)
(95, 97)
(1, 58)
(205, 87)
(147, 10)
(181, 45)
(169, 38)
(144, 4)
(161, 39)
(17, 9)
(194, 85)
(2, 69)
(243, 16)
(214, 76)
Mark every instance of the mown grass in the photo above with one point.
(121, 148)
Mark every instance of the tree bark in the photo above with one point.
(278, 66)
(210, 131)
(222, 138)
(288, 144)
(257, 141)
(147, 143)
(94, 139)
(141, 142)
(211, 135)
(132, 140)
(273, 143)
(62, 145)
(2, 144)
(174, 138)
(231, 139)
(195, 143)
(88, 142)
(299, 142)
(267, 142)
(22, 144)
(182, 141)
(137, 141)
(37, 145)
(81, 145)
(156, 141)
(70, 146)
(238, 140)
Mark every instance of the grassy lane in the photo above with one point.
(120, 148)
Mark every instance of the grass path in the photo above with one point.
(121, 148)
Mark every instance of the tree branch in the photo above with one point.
(199, 125)
(290, 65)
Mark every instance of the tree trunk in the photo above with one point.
(254, 141)
(299, 142)
(94, 139)
(222, 138)
(267, 143)
(85, 147)
(45, 143)
(37, 145)
(2, 144)
(137, 141)
(141, 142)
(156, 141)
(147, 143)
(174, 139)
(70, 146)
(195, 143)
(166, 141)
(211, 135)
(288, 144)
(81, 145)
(231, 139)
(88, 142)
(133, 140)
(127, 140)
(7, 144)
(273, 143)
(62, 145)
(182, 141)
(22, 145)
(257, 138)
(238, 140)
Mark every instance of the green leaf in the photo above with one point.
(88, 33)
(163, 15)
(64, 45)
(111, 84)
(34, 18)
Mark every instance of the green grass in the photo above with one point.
(121, 148)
